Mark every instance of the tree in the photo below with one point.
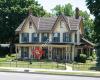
(88, 26)
(58, 9)
(66, 10)
(94, 7)
(12, 13)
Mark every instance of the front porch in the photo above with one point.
(52, 51)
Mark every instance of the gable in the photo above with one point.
(28, 26)
(61, 25)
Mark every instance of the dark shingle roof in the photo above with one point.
(46, 23)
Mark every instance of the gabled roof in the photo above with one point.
(47, 23)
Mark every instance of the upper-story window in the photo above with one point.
(75, 37)
(35, 37)
(45, 37)
(55, 34)
(56, 37)
(25, 37)
(66, 37)
(61, 24)
(30, 24)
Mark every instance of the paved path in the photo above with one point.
(26, 76)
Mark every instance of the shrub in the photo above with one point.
(81, 58)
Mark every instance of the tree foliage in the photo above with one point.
(94, 7)
(88, 25)
(12, 13)
(65, 9)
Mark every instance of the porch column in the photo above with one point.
(19, 52)
(16, 48)
(81, 50)
(50, 53)
(73, 52)
(66, 53)
(30, 52)
(62, 54)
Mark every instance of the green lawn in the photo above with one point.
(45, 64)
(26, 64)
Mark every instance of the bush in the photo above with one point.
(81, 58)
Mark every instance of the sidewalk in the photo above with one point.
(52, 71)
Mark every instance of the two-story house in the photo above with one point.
(58, 36)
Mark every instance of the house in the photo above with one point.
(61, 36)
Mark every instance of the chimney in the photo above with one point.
(30, 11)
(77, 13)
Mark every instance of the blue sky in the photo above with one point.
(50, 4)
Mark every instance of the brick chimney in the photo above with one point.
(77, 13)
(30, 11)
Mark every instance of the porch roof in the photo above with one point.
(89, 42)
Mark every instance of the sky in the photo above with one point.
(50, 4)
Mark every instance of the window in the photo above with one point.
(30, 24)
(55, 34)
(66, 37)
(45, 34)
(75, 37)
(35, 37)
(61, 24)
(56, 37)
(25, 37)
(45, 37)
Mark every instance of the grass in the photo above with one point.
(26, 64)
(45, 64)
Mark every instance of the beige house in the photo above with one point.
(61, 36)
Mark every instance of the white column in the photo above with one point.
(73, 52)
(73, 37)
(19, 52)
(61, 37)
(40, 36)
(30, 52)
(20, 37)
(30, 37)
(66, 53)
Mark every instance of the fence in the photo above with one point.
(51, 65)
(86, 67)
(35, 64)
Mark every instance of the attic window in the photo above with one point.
(30, 24)
(61, 24)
